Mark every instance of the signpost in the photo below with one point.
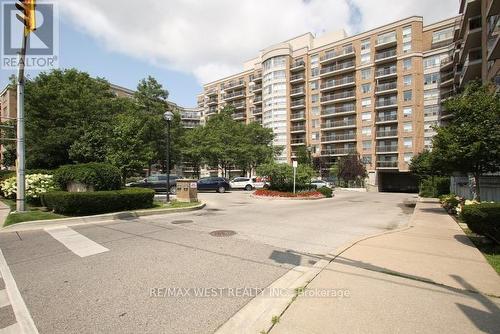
(294, 165)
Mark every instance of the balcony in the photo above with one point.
(386, 56)
(386, 41)
(339, 83)
(256, 88)
(472, 67)
(298, 128)
(256, 77)
(256, 110)
(446, 63)
(388, 87)
(212, 101)
(297, 141)
(387, 133)
(391, 118)
(338, 55)
(343, 96)
(447, 94)
(447, 79)
(472, 37)
(297, 78)
(211, 92)
(346, 123)
(338, 110)
(298, 116)
(336, 69)
(387, 164)
(493, 45)
(239, 116)
(257, 99)
(234, 84)
(239, 105)
(234, 96)
(299, 91)
(211, 111)
(339, 151)
(386, 103)
(297, 66)
(297, 104)
(386, 149)
(338, 138)
(386, 72)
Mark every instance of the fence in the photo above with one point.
(489, 187)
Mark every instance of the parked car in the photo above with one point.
(247, 183)
(321, 183)
(219, 184)
(156, 182)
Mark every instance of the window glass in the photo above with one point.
(408, 156)
(407, 95)
(367, 144)
(366, 102)
(407, 111)
(442, 35)
(365, 88)
(431, 78)
(367, 159)
(406, 47)
(407, 127)
(408, 142)
(407, 80)
(365, 45)
(407, 64)
(366, 131)
(315, 111)
(365, 58)
(366, 116)
(366, 73)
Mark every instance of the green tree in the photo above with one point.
(281, 176)
(60, 106)
(255, 146)
(303, 156)
(470, 142)
(422, 166)
(192, 148)
(351, 169)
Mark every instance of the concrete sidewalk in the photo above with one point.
(426, 278)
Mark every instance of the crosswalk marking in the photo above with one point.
(12, 329)
(75, 242)
(4, 298)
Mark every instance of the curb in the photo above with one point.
(288, 198)
(41, 224)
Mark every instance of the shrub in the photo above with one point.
(483, 218)
(6, 174)
(281, 176)
(36, 184)
(327, 192)
(273, 193)
(434, 186)
(81, 203)
(100, 176)
(450, 202)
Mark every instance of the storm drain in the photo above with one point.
(182, 221)
(222, 233)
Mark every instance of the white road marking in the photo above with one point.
(4, 298)
(25, 323)
(75, 242)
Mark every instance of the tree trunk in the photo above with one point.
(477, 191)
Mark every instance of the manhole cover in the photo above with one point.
(222, 233)
(182, 221)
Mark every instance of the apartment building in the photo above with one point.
(370, 93)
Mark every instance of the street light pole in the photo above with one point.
(20, 162)
(168, 116)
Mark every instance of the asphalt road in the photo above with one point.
(111, 291)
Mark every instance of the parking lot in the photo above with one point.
(263, 239)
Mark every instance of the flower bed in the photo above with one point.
(299, 195)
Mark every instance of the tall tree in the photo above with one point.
(470, 143)
(351, 168)
(303, 156)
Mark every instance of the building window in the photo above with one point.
(366, 116)
(315, 136)
(407, 111)
(407, 64)
(406, 34)
(365, 46)
(442, 35)
(314, 98)
(367, 159)
(408, 156)
(366, 74)
(315, 123)
(406, 47)
(365, 88)
(407, 127)
(313, 85)
(366, 102)
(386, 38)
(314, 72)
(367, 145)
(408, 142)
(432, 61)
(407, 95)
(407, 80)
(431, 94)
(366, 131)
(365, 58)
(431, 111)
(431, 78)
(315, 111)
(314, 60)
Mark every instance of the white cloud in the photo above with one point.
(212, 38)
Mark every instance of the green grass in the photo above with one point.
(173, 205)
(491, 251)
(19, 217)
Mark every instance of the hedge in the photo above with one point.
(100, 176)
(483, 218)
(435, 186)
(327, 192)
(94, 202)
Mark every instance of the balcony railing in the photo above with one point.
(338, 67)
(233, 84)
(387, 118)
(338, 82)
(256, 77)
(211, 111)
(299, 90)
(349, 136)
(333, 54)
(386, 71)
(256, 87)
(298, 128)
(298, 115)
(385, 149)
(387, 133)
(386, 86)
(386, 39)
(239, 115)
(385, 54)
(296, 103)
(335, 151)
(338, 124)
(387, 164)
(212, 100)
(233, 95)
(257, 99)
(295, 77)
(338, 96)
(297, 64)
(338, 110)
(239, 105)
(298, 141)
(256, 111)
(386, 102)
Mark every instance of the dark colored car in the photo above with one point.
(219, 184)
(156, 182)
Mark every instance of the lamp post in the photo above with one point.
(168, 116)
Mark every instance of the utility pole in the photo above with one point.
(168, 116)
(27, 8)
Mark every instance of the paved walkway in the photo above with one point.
(427, 278)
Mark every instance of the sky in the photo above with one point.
(186, 43)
